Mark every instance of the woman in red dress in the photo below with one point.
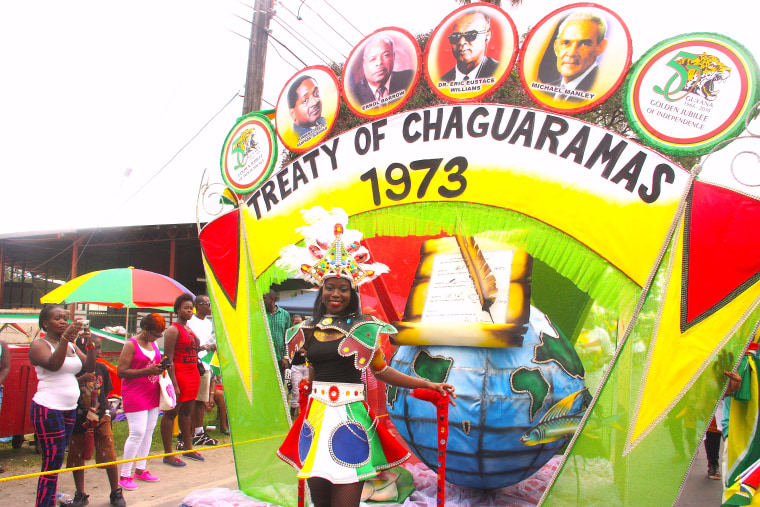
(181, 345)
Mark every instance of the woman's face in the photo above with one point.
(57, 322)
(152, 335)
(186, 310)
(336, 295)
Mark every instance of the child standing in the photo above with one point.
(92, 430)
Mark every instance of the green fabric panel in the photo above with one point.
(595, 472)
(567, 312)
(258, 425)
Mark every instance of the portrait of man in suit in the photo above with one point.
(580, 40)
(469, 38)
(305, 106)
(380, 84)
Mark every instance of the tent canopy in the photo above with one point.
(303, 304)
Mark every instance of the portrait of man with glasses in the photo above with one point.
(469, 38)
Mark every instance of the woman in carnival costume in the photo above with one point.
(337, 442)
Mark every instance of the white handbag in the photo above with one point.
(168, 398)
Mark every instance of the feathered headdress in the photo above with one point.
(331, 250)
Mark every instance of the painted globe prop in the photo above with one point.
(497, 431)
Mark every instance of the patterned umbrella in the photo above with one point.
(119, 288)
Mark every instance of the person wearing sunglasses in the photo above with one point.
(469, 38)
(381, 84)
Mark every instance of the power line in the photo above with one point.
(315, 33)
(344, 18)
(289, 50)
(237, 94)
(284, 59)
(329, 25)
(299, 38)
(270, 36)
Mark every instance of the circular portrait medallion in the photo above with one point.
(471, 52)
(307, 108)
(575, 58)
(381, 73)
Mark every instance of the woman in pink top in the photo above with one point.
(139, 367)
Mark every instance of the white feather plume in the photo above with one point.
(320, 229)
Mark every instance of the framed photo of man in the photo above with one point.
(471, 52)
(575, 58)
(381, 73)
(307, 108)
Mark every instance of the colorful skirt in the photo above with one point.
(338, 438)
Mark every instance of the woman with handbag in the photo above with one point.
(181, 346)
(140, 365)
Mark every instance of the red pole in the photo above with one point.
(442, 417)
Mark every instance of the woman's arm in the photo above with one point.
(396, 378)
(170, 344)
(40, 354)
(123, 369)
(90, 359)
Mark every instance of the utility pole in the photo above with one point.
(257, 56)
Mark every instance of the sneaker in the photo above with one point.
(146, 476)
(713, 472)
(195, 456)
(117, 498)
(127, 483)
(174, 461)
(180, 443)
(80, 500)
(204, 439)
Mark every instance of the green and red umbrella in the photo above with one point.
(119, 288)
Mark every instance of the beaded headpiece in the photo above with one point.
(331, 251)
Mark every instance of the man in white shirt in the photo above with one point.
(203, 328)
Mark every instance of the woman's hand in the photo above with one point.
(445, 390)
(152, 371)
(73, 330)
(734, 382)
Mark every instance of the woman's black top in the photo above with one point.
(329, 366)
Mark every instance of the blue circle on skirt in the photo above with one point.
(350, 445)
(305, 439)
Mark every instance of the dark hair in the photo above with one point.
(45, 313)
(320, 310)
(293, 90)
(182, 298)
(153, 322)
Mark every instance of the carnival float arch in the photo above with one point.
(628, 232)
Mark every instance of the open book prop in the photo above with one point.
(468, 292)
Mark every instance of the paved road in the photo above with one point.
(698, 490)
(218, 471)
